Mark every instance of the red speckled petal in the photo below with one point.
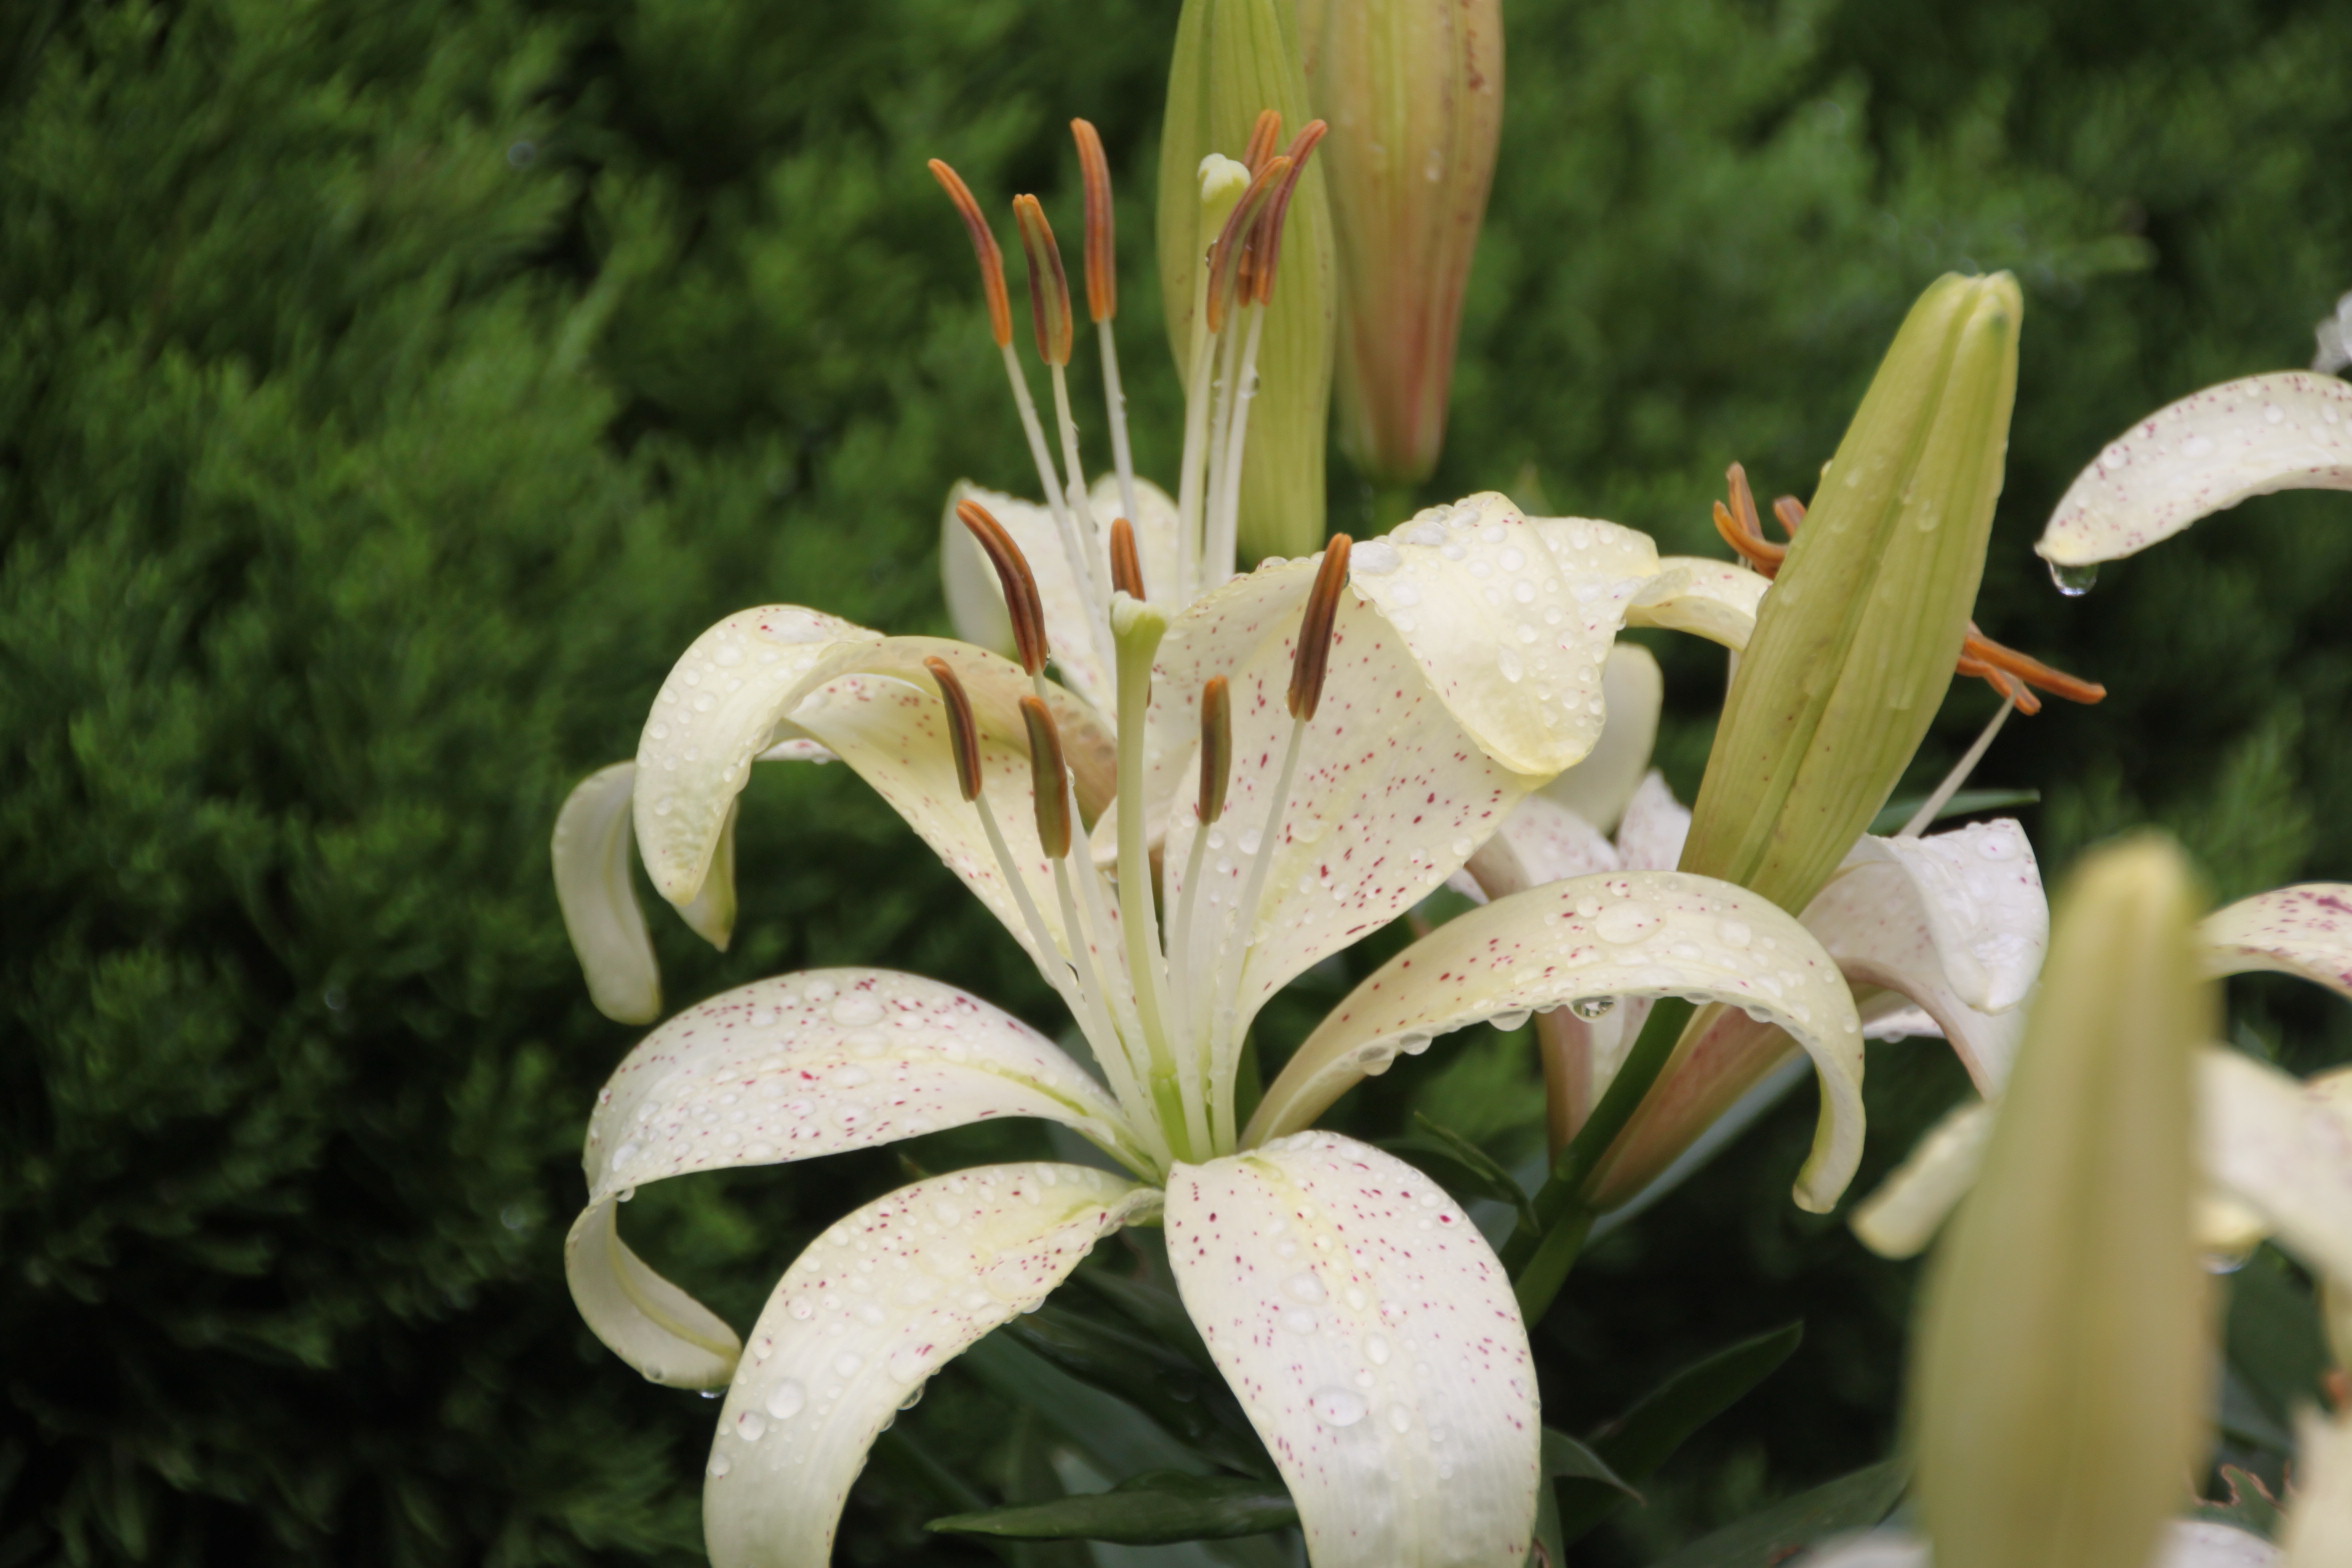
(2304, 930)
(1650, 933)
(863, 1319)
(788, 1069)
(1540, 841)
(2201, 455)
(1371, 1335)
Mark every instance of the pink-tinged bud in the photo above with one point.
(1414, 93)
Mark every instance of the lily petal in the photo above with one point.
(1509, 621)
(2305, 931)
(975, 599)
(2284, 1149)
(1911, 1205)
(2318, 1531)
(1654, 933)
(813, 1064)
(1716, 600)
(1371, 1336)
(1598, 788)
(599, 902)
(864, 1318)
(710, 914)
(1651, 834)
(2204, 454)
(2187, 1543)
(1956, 922)
(1540, 841)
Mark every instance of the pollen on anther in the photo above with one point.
(1225, 256)
(1126, 560)
(1102, 277)
(1263, 135)
(1049, 285)
(1269, 241)
(963, 735)
(1047, 773)
(992, 278)
(1216, 747)
(1313, 660)
(1022, 603)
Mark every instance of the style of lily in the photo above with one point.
(1317, 746)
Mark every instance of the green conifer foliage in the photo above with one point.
(387, 393)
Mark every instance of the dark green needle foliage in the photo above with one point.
(388, 392)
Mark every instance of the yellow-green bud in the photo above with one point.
(1854, 645)
(1414, 93)
(1235, 58)
(2063, 1360)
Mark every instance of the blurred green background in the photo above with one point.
(389, 392)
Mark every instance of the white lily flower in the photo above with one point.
(1316, 746)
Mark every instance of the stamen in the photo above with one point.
(1216, 748)
(1050, 775)
(962, 734)
(1225, 256)
(992, 278)
(1126, 562)
(1313, 659)
(2029, 669)
(1263, 135)
(1102, 279)
(1269, 244)
(1022, 603)
(1049, 285)
(1944, 792)
(1790, 511)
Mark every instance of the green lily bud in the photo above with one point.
(2063, 1360)
(1854, 645)
(1234, 59)
(1414, 93)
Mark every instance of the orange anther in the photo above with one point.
(1225, 255)
(1049, 285)
(1312, 662)
(1216, 747)
(962, 734)
(1022, 604)
(1268, 244)
(1126, 560)
(1263, 135)
(1102, 279)
(2029, 670)
(992, 279)
(1046, 774)
(1790, 511)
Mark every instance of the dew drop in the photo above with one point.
(719, 1466)
(1589, 1008)
(1376, 1349)
(2073, 581)
(847, 1363)
(857, 1010)
(1340, 1407)
(1299, 1320)
(1624, 923)
(1400, 1418)
(1506, 1022)
(751, 1426)
(1304, 1286)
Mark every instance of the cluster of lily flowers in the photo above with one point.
(1225, 780)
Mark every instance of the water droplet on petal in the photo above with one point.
(786, 1399)
(856, 1010)
(1589, 1008)
(720, 1464)
(1304, 1286)
(751, 1426)
(2073, 581)
(1340, 1407)
(1400, 1418)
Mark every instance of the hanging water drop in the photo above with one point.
(1589, 1008)
(2073, 581)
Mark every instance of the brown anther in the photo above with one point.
(1216, 747)
(1268, 244)
(1790, 512)
(962, 734)
(1047, 773)
(2028, 670)
(1049, 285)
(1263, 135)
(1225, 255)
(1102, 277)
(1313, 659)
(992, 278)
(1126, 560)
(1022, 604)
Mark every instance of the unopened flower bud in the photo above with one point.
(1854, 645)
(2063, 1360)
(1414, 93)
(1235, 59)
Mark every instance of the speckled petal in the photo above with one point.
(1716, 600)
(1371, 1337)
(863, 1319)
(1597, 788)
(804, 1065)
(2284, 1149)
(2201, 455)
(1509, 621)
(1390, 797)
(1540, 841)
(1957, 922)
(2305, 931)
(599, 902)
(1655, 933)
(1911, 1205)
(1651, 833)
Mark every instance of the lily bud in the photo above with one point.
(2063, 1360)
(1854, 645)
(1235, 59)
(1414, 93)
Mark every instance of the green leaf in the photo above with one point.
(1967, 803)
(2250, 1507)
(1460, 1166)
(1763, 1540)
(2274, 1338)
(1152, 1306)
(1111, 1432)
(1152, 1509)
(1645, 1437)
(1164, 1384)
(1564, 1458)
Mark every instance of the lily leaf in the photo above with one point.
(1152, 1509)
(1645, 1437)
(1172, 1390)
(1564, 1458)
(1460, 1166)
(2274, 1339)
(1116, 1434)
(1762, 1540)
(1967, 803)
(1153, 1307)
